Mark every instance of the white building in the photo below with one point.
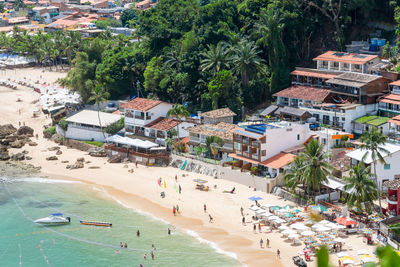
(346, 62)
(366, 123)
(146, 117)
(266, 145)
(385, 171)
(339, 115)
(85, 125)
(331, 138)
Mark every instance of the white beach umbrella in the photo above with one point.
(279, 220)
(267, 206)
(322, 229)
(266, 214)
(260, 211)
(271, 218)
(339, 240)
(288, 232)
(366, 259)
(342, 254)
(324, 222)
(317, 225)
(363, 252)
(293, 236)
(283, 227)
(348, 261)
(254, 208)
(307, 233)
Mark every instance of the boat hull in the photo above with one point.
(104, 224)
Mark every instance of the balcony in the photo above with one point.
(391, 200)
(345, 90)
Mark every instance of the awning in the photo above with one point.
(279, 161)
(131, 142)
(235, 156)
(333, 184)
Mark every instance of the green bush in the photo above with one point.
(115, 127)
(51, 130)
(63, 124)
(95, 143)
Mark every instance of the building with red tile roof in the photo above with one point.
(142, 104)
(346, 62)
(299, 94)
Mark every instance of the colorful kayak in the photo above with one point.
(96, 223)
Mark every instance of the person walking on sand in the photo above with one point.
(180, 189)
(138, 233)
(278, 253)
(174, 211)
(254, 228)
(211, 218)
(243, 221)
(259, 227)
(261, 243)
(267, 243)
(241, 211)
(177, 208)
(205, 208)
(176, 178)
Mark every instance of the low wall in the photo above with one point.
(332, 196)
(78, 145)
(234, 175)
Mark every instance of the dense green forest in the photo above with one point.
(217, 53)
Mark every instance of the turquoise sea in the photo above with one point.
(23, 243)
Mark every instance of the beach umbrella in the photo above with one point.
(344, 221)
(253, 198)
(289, 215)
(287, 207)
(266, 214)
(342, 254)
(293, 236)
(299, 226)
(288, 232)
(255, 208)
(339, 240)
(279, 220)
(275, 208)
(363, 252)
(267, 206)
(307, 233)
(324, 222)
(200, 181)
(271, 218)
(296, 211)
(367, 259)
(283, 227)
(322, 229)
(348, 261)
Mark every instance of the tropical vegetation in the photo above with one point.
(372, 143)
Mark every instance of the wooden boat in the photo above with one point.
(96, 223)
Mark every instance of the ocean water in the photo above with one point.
(23, 243)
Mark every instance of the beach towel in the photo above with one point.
(165, 184)
(159, 182)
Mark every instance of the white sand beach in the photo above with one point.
(139, 190)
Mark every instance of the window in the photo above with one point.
(298, 137)
(336, 64)
(263, 153)
(386, 167)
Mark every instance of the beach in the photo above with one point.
(140, 191)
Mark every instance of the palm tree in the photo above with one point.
(214, 143)
(178, 111)
(316, 166)
(99, 95)
(295, 174)
(216, 58)
(200, 150)
(373, 141)
(361, 188)
(246, 60)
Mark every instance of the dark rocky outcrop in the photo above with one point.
(25, 130)
(52, 158)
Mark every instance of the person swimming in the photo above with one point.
(137, 233)
(126, 245)
(121, 245)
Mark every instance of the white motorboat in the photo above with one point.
(54, 219)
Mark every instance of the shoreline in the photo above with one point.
(139, 190)
(211, 236)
